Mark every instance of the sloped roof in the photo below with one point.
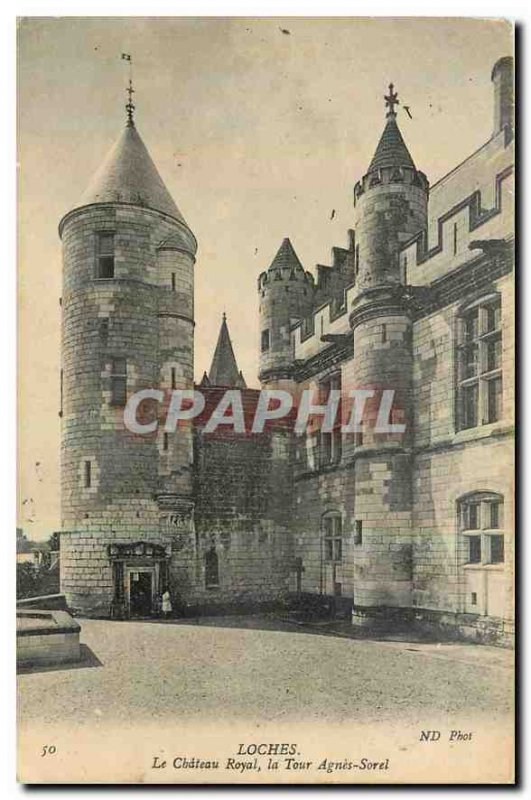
(391, 150)
(128, 175)
(224, 370)
(286, 258)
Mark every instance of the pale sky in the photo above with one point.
(270, 130)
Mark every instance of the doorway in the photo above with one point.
(140, 593)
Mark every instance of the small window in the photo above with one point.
(384, 333)
(471, 516)
(88, 474)
(173, 378)
(211, 569)
(495, 512)
(473, 598)
(358, 532)
(455, 238)
(494, 400)
(165, 442)
(105, 255)
(470, 406)
(496, 549)
(264, 344)
(493, 318)
(331, 442)
(118, 382)
(481, 522)
(474, 549)
(173, 281)
(333, 542)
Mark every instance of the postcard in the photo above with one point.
(266, 400)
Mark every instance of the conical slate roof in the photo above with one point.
(224, 370)
(391, 150)
(128, 175)
(286, 258)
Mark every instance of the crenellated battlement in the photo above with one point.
(289, 275)
(455, 229)
(404, 176)
(331, 316)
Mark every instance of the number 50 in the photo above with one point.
(48, 750)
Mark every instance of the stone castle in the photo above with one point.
(408, 529)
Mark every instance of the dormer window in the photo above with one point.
(105, 255)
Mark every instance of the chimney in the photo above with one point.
(503, 80)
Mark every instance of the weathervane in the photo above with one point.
(391, 100)
(129, 106)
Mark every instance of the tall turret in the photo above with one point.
(390, 206)
(390, 203)
(286, 294)
(128, 260)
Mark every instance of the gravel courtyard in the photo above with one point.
(147, 670)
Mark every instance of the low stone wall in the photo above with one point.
(46, 637)
(44, 602)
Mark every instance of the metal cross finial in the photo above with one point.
(129, 106)
(391, 100)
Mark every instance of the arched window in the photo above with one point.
(481, 523)
(479, 364)
(211, 569)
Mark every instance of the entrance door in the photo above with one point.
(140, 593)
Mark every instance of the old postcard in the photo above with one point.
(266, 391)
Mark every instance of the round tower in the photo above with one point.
(286, 295)
(390, 203)
(128, 259)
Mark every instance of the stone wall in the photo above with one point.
(450, 463)
(327, 491)
(242, 491)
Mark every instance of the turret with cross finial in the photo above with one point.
(390, 208)
(402, 203)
